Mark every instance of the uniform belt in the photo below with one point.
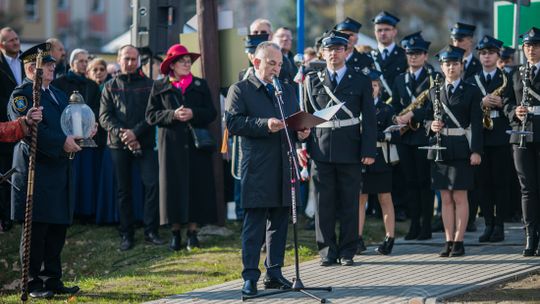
(493, 114)
(453, 131)
(535, 110)
(338, 123)
(389, 152)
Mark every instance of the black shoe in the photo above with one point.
(471, 227)
(41, 294)
(327, 262)
(445, 252)
(360, 246)
(457, 249)
(346, 261)
(249, 288)
(386, 247)
(176, 240)
(401, 216)
(532, 243)
(192, 240)
(154, 238)
(425, 234)
(66, 290)
(126, 243)
(437, 225)
(498, 234)
(486, 236)
(6, 225)
(276, 283)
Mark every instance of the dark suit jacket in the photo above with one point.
(465, 105)
(395, 64)
(474, 67)
(534, 120)
(346, 144)
(265, 166)
(7, 84)
(497, 136)
(360, 60)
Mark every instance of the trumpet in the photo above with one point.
(487, 121)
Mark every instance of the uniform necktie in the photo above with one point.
(413, 81)
(533, 71)
(270, 88)
(465, 63)
(488, 79)
(450, 91)
(385, 54)
(334, 80)
(48, 92)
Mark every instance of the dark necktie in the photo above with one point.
(385, 54)
(334, 80)
(413, 81)
(533, 71)
(488, 79)
(49, 93)
(270, 88)
(465, 64)
(450, 91)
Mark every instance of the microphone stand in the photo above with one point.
(297, 286)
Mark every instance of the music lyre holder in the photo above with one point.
(5, 178)
(297, 285)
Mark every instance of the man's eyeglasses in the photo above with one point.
(334, 49)
(259, 32)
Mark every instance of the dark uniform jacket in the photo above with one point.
(395, 64)
(474, 67)
(384, 114)
(533, 123)
(401, 99)
(465, 105)
(91, 93)
(7, 84)
(346, 144)
(265, 166)
(53, 197)
(360, 60)
(123, 105)
(497, 136)
(175, 142)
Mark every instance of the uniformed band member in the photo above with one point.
(462, 36)
(354, 58)
(527, 161)
(506, 60)
(389, 58)
(412, 87)
(253, 114)
(494, 182)
(339, 148)
(460, 130)
(53, 202)
(377, 178)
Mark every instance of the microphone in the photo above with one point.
(277, 85)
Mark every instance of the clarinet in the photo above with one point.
(525, 72)
(437, 116)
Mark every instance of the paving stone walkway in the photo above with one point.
(412, 274)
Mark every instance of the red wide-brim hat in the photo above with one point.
(176, 51)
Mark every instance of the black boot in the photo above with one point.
(360, 246)
(445, 252)
(488, 231)
(386, 247)
(457, 249)
(414, 231)
(192, 240)
(532, 242)
(498, 233)
(176, 240)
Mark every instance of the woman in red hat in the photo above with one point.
(179, 102)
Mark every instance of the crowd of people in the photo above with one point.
(404, 136)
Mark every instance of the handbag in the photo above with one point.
(202, 138)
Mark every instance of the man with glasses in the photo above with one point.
(339, 148)
(53, 201)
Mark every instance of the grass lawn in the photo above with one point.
(106, 275)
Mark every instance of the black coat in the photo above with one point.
(265, 166)
(346, 144)
(395, 64)
(53, 195)
(533, 123)
(123, 105)
(384, 113)
(7, 85)
(497, 136)
(474, 67)
(186, 178)
(401, 99)
(360, 60)
(465, 105)
(90, 92)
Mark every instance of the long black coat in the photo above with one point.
(186, 185)
(7, 85)
(265, 167)
(395, 64)
(53, 195)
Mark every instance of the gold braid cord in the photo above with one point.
(27, 229)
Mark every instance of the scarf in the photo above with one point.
(181, 83)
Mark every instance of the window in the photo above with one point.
(97, 6)
(31, 9)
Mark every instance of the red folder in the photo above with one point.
(303, 120)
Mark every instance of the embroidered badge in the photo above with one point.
(486, 39)
(19, 103)
(365, 71)
(532, 33)
(411, 41)
(197, 82)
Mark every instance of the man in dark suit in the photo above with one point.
(354, 58)
(11, 75)
(411, 86)
(339, 148)
(53, 202)
(462, 36)
(527, 161)
(389, 58)
(252, 113)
